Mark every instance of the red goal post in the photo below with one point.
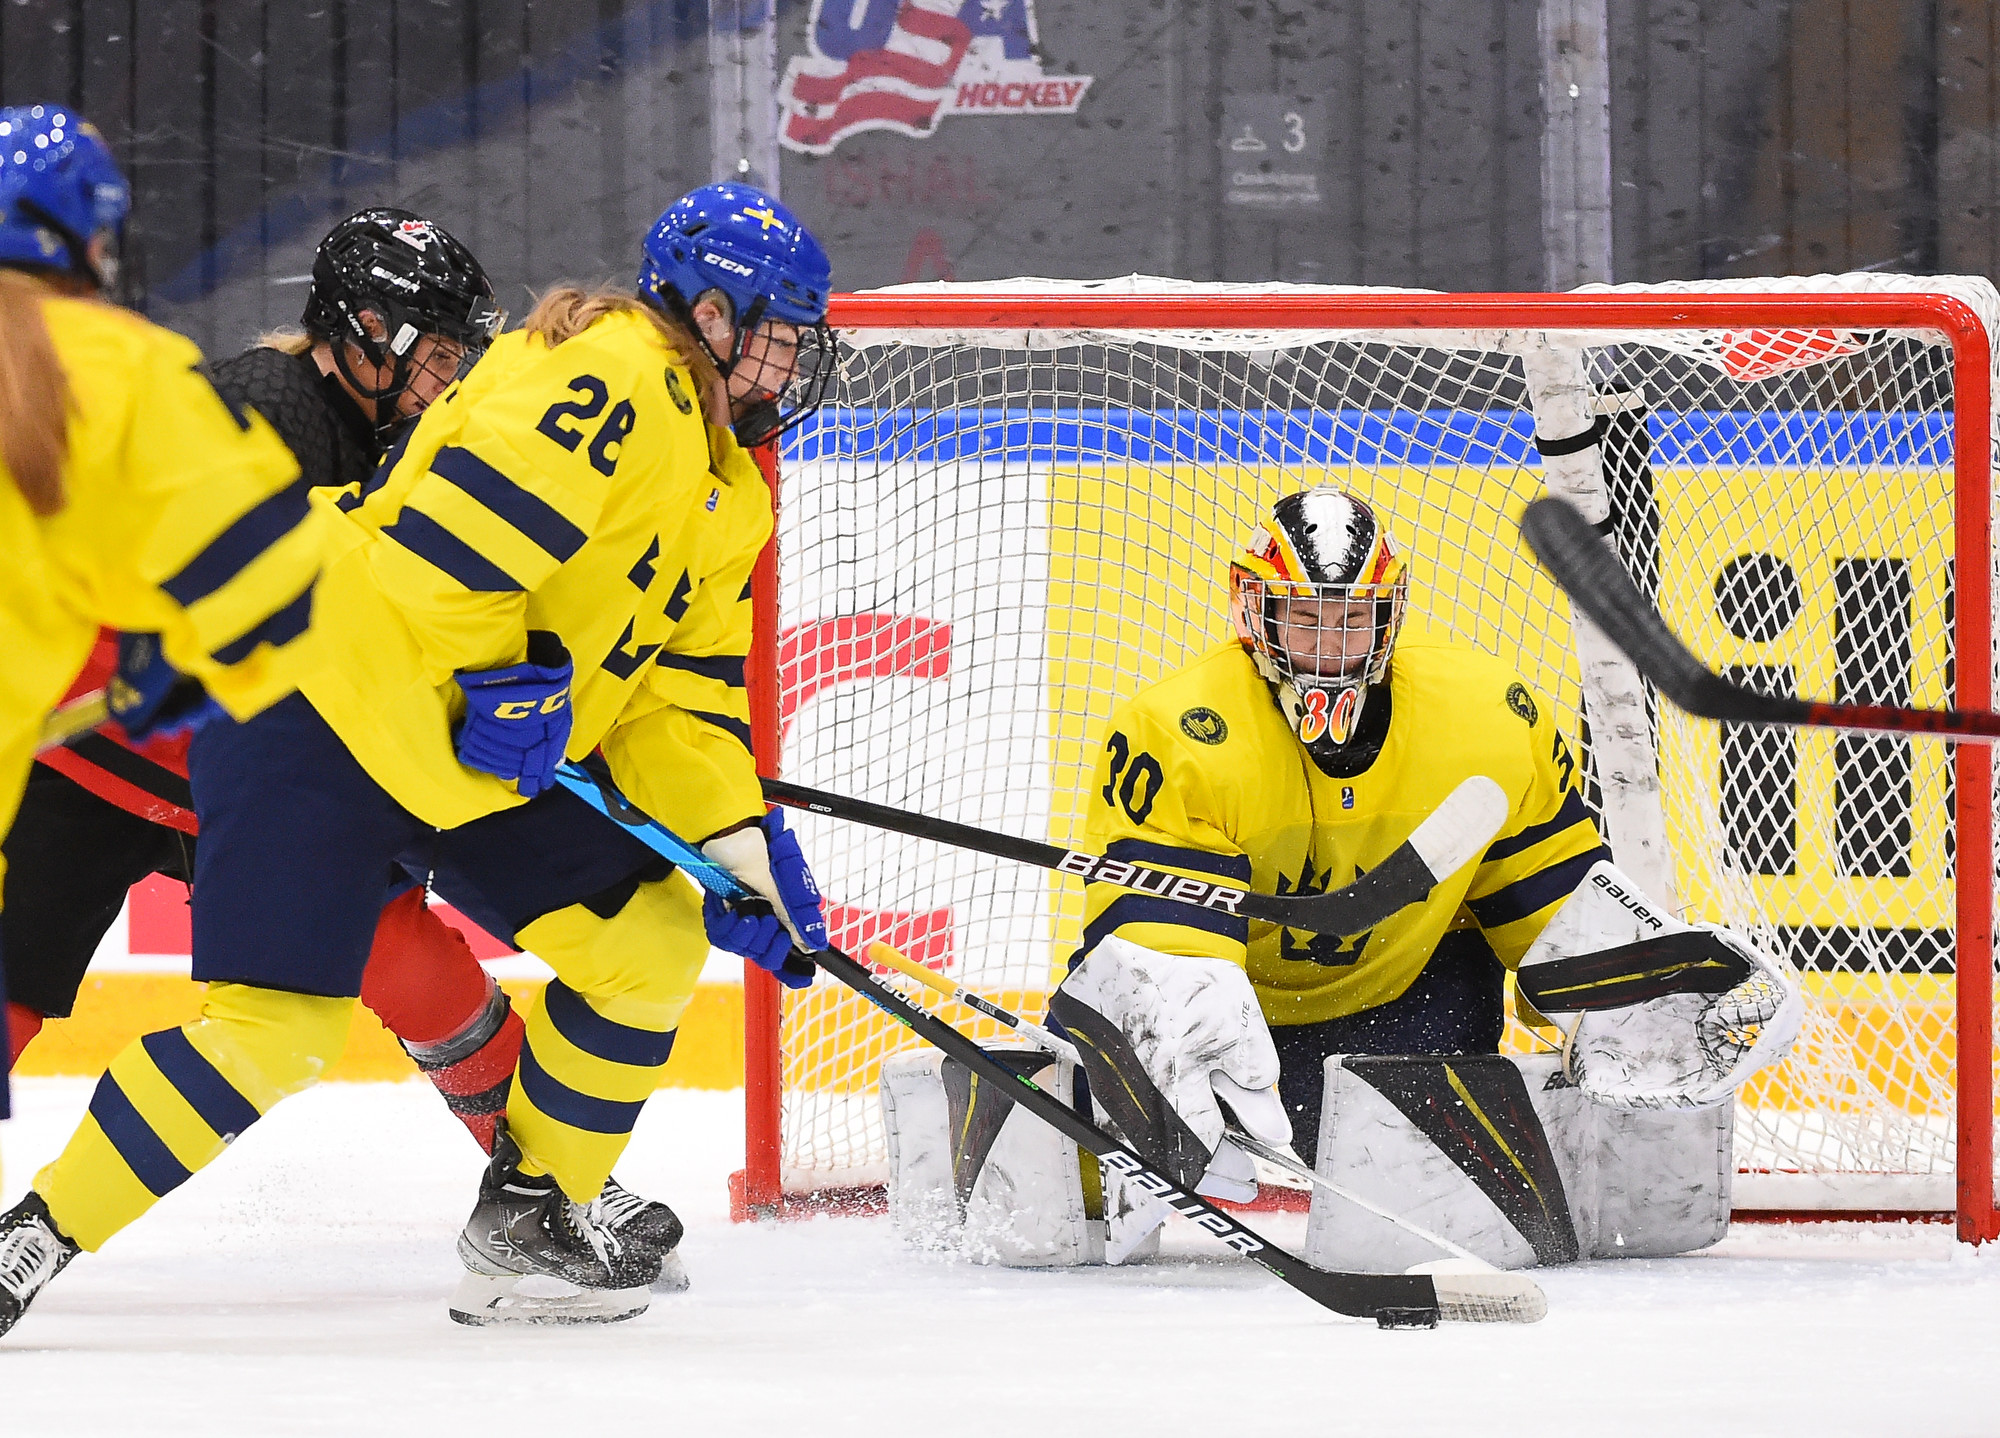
(1152, 417)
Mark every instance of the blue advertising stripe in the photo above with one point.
(432, 542)
(208, 1093)
(529, 513)
(728, 668)
(276, 630)
(1535, 892)
(1145, 909)
(1353, 436)
(144, 1151)
(231, 551)
(565, 1105)
(586, 1029)
(1233, 867)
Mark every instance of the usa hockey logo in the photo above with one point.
(903, 65)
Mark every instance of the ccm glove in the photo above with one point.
(766, 857)
(517, 719)
(149, 697)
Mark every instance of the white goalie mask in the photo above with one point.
(1318, 601)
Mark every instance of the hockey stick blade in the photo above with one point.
(73, 720)
(1393, 1300)
(1691, 963)
(1583, 564)
(1457, 831)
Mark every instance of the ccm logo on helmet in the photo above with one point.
(723, 262)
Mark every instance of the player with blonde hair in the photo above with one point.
(134, 498)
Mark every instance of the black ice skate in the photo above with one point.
(32, 1251)
(533, 1256)
(646, 1226)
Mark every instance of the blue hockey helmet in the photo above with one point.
(59, 189)
(743, 243)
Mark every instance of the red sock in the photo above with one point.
(22, 1025)
(475, 1071)
(422, 980)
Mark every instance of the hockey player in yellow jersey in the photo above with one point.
(554, 562)
(134, 498)
(1298, 756)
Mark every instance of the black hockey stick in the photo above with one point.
(1455, 833)
(1684, 963)
(1393, 1300)
(1595, 581)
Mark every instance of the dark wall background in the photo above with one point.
(1749, 137)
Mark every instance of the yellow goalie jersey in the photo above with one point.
(575, 489)
(182, 518)
(1200, 774)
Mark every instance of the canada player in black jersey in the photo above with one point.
(398, 310)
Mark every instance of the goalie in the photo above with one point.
(1294, 760)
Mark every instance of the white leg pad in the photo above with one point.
(1637, 1183)
(1023, 1205)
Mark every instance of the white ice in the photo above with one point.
(298, 1286)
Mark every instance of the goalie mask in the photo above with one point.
(1318, 602)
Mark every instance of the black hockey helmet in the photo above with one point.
(415, 276)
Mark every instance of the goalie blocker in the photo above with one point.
(1620, 1146)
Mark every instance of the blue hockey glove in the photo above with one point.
(749, 927)
(151, 698)
(796, 886)
(517, 719)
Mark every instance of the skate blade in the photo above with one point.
(489, 1299)
(673, 1275)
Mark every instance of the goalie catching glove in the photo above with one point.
(1166, 1040)
(1657, 1013)
(766, 856)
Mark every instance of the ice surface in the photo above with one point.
(299, 1287)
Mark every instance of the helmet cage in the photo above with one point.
(1321, 693)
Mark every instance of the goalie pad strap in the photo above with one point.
(1476, 1109)
(1615, 978)
(1572, 444)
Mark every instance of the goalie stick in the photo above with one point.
(1049, 1043)
(1393, 1300)
(1572, 550)
(1456, 832)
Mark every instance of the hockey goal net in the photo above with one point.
(1019, 506)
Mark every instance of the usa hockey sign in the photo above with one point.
(903, 65)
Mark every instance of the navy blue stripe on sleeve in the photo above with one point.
(565, 1105)
(723, 722)
(1233, 867)
(276, 630)
(1145, 909)
(1535, 892)
(586, 1029)
(144, 1151)
(526, 512)
(198, 1081)
(432, 542)
(726, 667)
(231, 551)
(1572, 812)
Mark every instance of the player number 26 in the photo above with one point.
(609, 440)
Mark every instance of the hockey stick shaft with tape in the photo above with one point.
(1573, 551)
(1454, 834)
(1050, 1043)
(1392, 1299)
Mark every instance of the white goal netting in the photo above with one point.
(988, 538)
